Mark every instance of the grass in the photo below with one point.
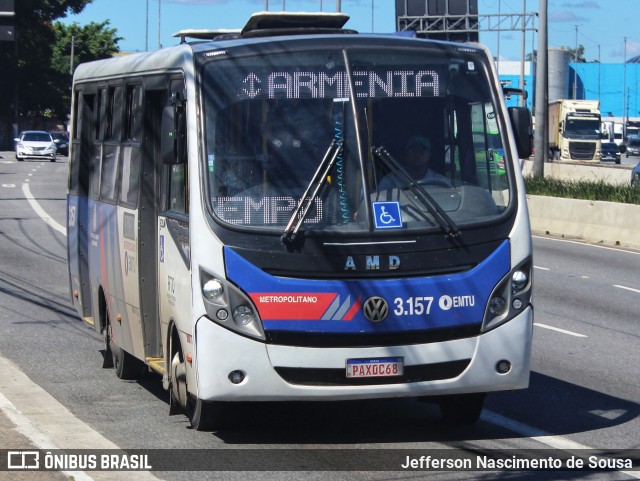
(581, 189)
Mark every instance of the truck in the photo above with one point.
(633, 129)
(574, 130)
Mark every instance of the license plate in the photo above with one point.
(383, 367)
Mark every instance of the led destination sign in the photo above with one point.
(322, 84)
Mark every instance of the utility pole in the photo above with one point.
(575, 68)
(599, 67)
(73, 44)
(523, 101)
(624, 81)
(541, 139)
(372, 26)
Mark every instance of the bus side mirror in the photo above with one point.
(174, 135)
(521, 123)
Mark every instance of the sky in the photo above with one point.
(598, 24)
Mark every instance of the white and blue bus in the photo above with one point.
(242, 218)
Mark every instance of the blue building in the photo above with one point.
(619, 99)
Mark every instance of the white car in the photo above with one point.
(35, 144)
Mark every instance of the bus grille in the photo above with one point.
(337, 377)
(314, 339)
(582, 150)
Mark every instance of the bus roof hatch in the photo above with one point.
(264, 24)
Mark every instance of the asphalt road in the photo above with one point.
(584, 390)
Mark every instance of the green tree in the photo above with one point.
(90, 42)
(576, 55)
(32, 76)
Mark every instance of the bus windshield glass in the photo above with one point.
(411, 132)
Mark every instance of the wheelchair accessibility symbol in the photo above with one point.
(387, 215)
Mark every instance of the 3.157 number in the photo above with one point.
(412, 306)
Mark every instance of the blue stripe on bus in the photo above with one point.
(335, 306)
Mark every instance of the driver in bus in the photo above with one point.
(417, 164)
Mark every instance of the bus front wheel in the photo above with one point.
(461, 408)
(203, 416)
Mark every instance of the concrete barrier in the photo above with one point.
(607, 223)
(590, 172)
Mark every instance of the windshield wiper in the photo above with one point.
(317, 182)
(445, 222)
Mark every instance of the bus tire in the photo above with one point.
(462, 408)
(205, 416)
(126, 366)
(107, 361)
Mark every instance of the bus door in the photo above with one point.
(174, 257)
(78, 208)
(149, 206)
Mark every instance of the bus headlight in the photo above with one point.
(243, 315)
(510, 297)
(497, 306)
(229, 307)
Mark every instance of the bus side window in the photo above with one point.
(178, 189)
(130, 178)
(178, 173)
(114, 114)
(133, 113)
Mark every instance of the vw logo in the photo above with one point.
(375, 309)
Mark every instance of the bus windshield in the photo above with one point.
(416, 131)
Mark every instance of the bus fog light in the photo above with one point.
(212, 290)
(222, 314)
(236, 377)
(516, 304)
(497, 306)
(243, 315)
(503, 366)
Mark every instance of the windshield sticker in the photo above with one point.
(387, 215)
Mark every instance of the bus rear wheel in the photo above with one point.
(125, 365)
(461, 408)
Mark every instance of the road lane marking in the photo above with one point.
(541, 268)
(50, 425)
(548, 439)
(41, 212)
(557, 329)
(637, 253)
(637, 291)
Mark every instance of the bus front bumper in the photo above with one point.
(473, 362)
